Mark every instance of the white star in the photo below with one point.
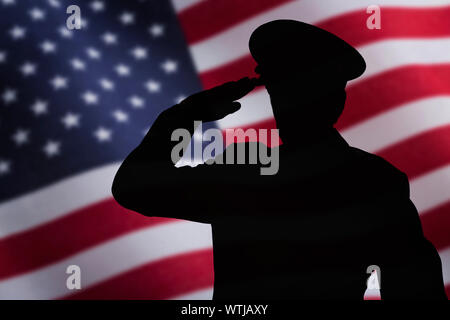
(126, 18)
(156, 30)
(139, 53)
(9, 96)
(64, 32)
(122, 70)
(39, 107)
(153, 86)
(17, 32)
(21, 137)
(8, 2)
(5, 167)
(109, 38)
(107, 84)
(169, 66)
(120, 116)
(54, 3)
(71, 120)
(59, 82)
(90, 97)
(48, 46)
(103, 134)
(28, 69)
(37, 14)
(136, 102)
(97, 6)
(93, 53)
(78, 64)
(51, 148)
(2, 56)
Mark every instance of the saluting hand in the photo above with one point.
(216, 103)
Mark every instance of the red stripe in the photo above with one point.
(447, 290)
(380, 93)
(421, 153)
(427, 23)
(435, 224)
(219, 15)
(162, 279)
(396, 23)
(70, 234)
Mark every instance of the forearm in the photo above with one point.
(145, 171)
(157, 145)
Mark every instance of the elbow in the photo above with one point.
(127, 196)
(116, 191)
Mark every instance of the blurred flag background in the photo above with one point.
(74, 103)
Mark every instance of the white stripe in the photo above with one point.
(205, 294)
(110, 259)
(56, 200)
(180, 5)
(431, 189)
(399, 123)
(388, 54)
(255, 107)
(232, 43)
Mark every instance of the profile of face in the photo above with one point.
(304, 98)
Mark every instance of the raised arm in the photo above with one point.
(148, 181)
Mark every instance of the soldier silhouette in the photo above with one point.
(311, 230)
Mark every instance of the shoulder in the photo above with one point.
(386, 193)
(379, 172)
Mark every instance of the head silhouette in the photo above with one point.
(305, 70)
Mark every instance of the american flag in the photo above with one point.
(75, 103)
